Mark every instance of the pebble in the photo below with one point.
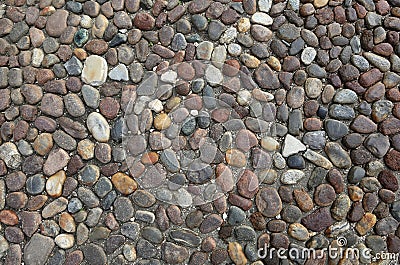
(268, 202)
(292, 146)
(94, 70)
(292, 176)
(98, 126)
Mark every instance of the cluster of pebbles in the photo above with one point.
(197, 132)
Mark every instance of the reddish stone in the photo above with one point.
(371, 77)
(248, 184)
(384, 49)
(240, 202)
(375, 92)
(392, 159)
(336, 180)
(144, 21)
(109, 107)
(393, 94)
(97, 46)
(8, 217)
(390, 126)
(312, 124)
(318, 220)
(388, 180)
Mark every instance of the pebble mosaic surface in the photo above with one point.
(199, 132)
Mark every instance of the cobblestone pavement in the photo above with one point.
(199, 132)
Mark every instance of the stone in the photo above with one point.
(268, 202)
(318, 220)
(292, 146)
(94, 70)
(10, 155)
(98, 126)
(94, 254)
(54, 184)
(366, 223)
(236, 254)
(123, 183)
(56, 160)
(38, 249)
(338, 155)
(57, 23)
(264, 73)
(292, 176)
(119, 73)
(173, 254)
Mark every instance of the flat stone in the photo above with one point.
(94, 70)
(10, 155)
(56, 160)
(57, 23)
(366, 223)
(268, 202)
(123, 183)
(38, 249)
(54, 184)
(292, 146)
(318, 220)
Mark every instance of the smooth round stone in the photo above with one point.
(64, 241)
(261, 18)
(308, 55)
(162, 121)
(89, 175)
(35, 184)
(95, 70)
(355, 174)
(74, 205)
(313, 87)
(98, 126)
(296, 161)
(234, 49)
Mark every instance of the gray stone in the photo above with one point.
(38, 249)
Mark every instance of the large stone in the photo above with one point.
(57, 23)
(38, 249)
(95, 70)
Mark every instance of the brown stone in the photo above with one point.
(371, 77)
(248, 184)
(392, 160)
(97, 46)
(144, 21)
(57, 23)
(303, 200)
(366, 223)
(363, 124)
(388, 180)
(268, 202)
(390, 126)
(318, 220)
(123, 183)
(8, 217)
